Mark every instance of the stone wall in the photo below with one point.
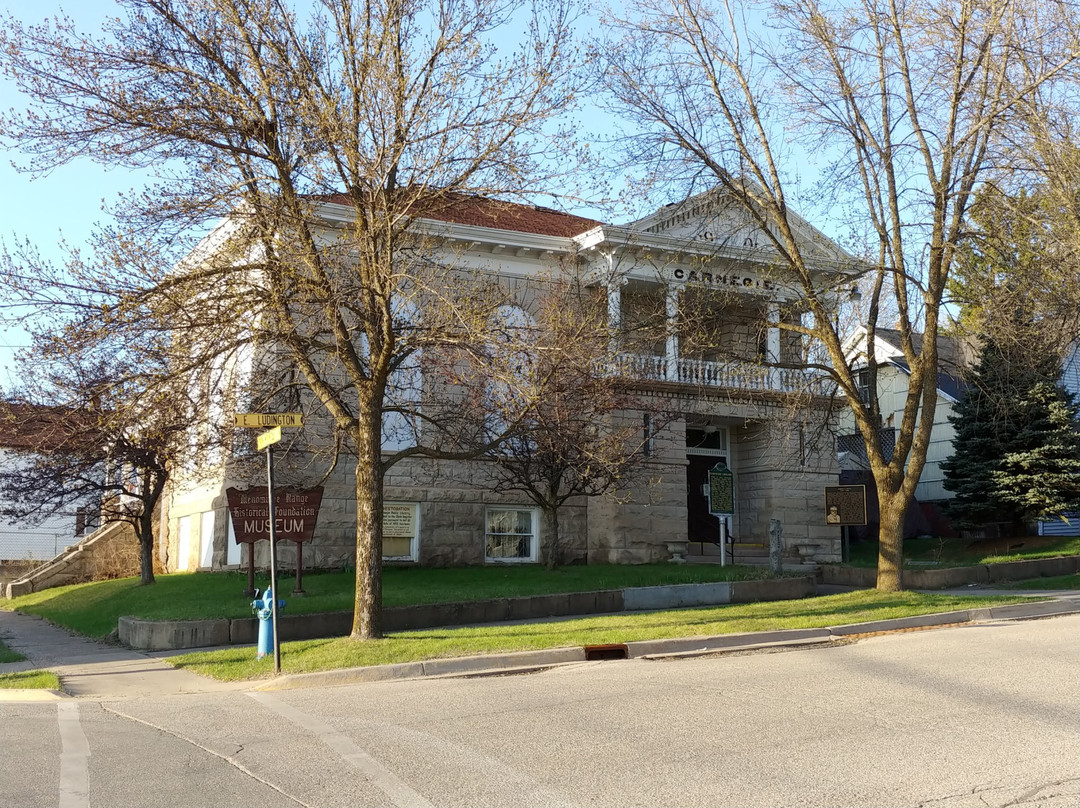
(779, 478)
(452, 503)
(634, 524)
(776, 475)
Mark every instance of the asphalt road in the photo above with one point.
(979, 715)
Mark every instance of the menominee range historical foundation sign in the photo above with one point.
(295, 513)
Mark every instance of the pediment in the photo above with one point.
(706, 219)
(713, 219)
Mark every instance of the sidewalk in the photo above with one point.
(93, 670)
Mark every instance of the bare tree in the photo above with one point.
(911, 102)
(580, 430)
(97, 436)
(325, 138)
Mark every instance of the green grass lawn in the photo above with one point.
(94, 608)
(7, 655)
(30, 680)
(1054, 582)
(327, 654)
(932, 552)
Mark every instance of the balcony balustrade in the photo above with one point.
(732, 375)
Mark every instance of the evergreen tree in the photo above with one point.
(1016, 451)
(1041, 477)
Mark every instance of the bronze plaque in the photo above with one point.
(845, 505)
(721, 490)
(295, 513)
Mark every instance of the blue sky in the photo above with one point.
(66, 203)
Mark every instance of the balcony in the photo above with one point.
(731, 375)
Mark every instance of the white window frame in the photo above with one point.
(234, 553)
(206, 540)
(725, 445)
(862, 384)
(183, 544)
(534, 544)
(414, 541)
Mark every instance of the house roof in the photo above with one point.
(952, 359)
(497, 214)
(494, 213)
(34, 428)
(707, 205)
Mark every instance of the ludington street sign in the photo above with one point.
(266, 420)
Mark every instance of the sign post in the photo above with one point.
(722, 501)
(249, 420)
(266, 441)
(296, 513)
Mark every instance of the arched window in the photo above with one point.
(512, 367)
(400, 420)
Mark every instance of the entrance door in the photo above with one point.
(700, 524)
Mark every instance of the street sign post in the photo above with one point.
(275, 421)
(269, 446)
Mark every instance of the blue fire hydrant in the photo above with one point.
(263, 608)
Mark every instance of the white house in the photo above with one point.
(892, 388)
(732, 394)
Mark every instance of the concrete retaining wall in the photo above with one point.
(166, 635)
(866, 577)
(111, 551)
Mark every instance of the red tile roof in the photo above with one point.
(480, 211)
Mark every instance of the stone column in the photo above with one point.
(614, 311)
(671, 352)
(772, 343)
(776, 546)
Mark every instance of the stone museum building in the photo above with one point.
(742, 397)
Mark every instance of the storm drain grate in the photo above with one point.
(612, 651)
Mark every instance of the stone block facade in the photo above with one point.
(707, 340)
(776, 476)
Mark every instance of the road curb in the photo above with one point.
(526, 661)
(31, 694)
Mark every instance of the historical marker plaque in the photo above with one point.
(399, 520)
(845, 505)
(721, 490)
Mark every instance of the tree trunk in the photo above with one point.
(144, 532)
(551, 528)
(146, 557)
(367, 605)
(891, 542)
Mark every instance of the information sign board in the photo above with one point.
(721, 490)
(845, 505)
(296, 512)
